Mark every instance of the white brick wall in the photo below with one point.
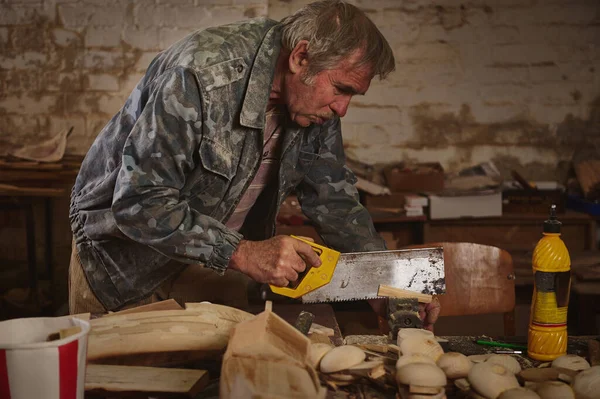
(492, 79)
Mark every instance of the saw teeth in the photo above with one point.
(341, 300)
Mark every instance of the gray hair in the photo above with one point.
(334, 30)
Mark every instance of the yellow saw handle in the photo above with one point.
(313, 277)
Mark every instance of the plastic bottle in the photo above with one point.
(547, 338)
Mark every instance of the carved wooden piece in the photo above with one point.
(205, 328)
(268, 358)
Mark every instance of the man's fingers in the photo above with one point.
(433, 311)
(291, 275)
(281, 282)
(299, 266)
(308, 253)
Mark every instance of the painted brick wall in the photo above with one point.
(74, 62)
(514, 81)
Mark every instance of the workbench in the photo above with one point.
(325, 316)
(511, 232)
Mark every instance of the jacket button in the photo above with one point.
(240, 68)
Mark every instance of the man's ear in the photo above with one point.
(298, 60)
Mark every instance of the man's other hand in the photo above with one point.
(429, 313)
(275, 261)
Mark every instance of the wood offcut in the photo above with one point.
(151, 381)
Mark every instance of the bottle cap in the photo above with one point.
(552, 225)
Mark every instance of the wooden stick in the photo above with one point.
(374, 348)
(372, 369)
(64, 333)
(594, 352)
(317, 328)
(424, 390)
(385, 290)
(148, 380)
(394, 349)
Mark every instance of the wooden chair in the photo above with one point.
(479, 280)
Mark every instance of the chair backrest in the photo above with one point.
(479, 279)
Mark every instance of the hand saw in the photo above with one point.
(357, 276)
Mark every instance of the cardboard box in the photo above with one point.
(455, 207)
(423, 177)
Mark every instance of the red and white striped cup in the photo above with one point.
(33, 368)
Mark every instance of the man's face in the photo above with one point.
(325, 94)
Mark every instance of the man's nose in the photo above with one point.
(340, 106)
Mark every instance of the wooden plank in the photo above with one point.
(392, 292)
(30, 165)
(151, 381)
(169, 304)
(16, 191)
(204, 329)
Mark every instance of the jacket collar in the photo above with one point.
(261, 80)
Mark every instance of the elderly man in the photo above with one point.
(223, 126)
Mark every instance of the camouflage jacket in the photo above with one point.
(170, 167)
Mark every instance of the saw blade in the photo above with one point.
(357, 276)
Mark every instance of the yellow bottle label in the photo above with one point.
(551, 298)
(546, 312)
